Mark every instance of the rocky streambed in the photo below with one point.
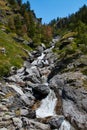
(29, 100)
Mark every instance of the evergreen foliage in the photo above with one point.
(25, 21)
(70, 22)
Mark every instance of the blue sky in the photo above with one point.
(50, 9)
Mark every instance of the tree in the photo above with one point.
(19, 2)
(28, 6)
(18, 23)
(12, 2)
(11, 23)
(46, 33)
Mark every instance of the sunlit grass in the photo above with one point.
(13, 55)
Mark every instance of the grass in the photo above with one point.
(13, 55)
(69, 34)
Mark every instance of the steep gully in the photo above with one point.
(29, 101)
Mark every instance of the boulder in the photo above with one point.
(34, 125)
(55, 122)
(41, 91)
(77, 117)
(74, 97)
(3, 50)
(17, 122)
(32, 114)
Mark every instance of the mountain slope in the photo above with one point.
(19, 31)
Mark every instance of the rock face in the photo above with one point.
(41, 91)
(74, 96)
(30, 100)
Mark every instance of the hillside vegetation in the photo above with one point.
(13, 55)
(71, 49)
(20, 30)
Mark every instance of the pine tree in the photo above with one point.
(19, 2)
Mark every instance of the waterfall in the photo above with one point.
(47, 107)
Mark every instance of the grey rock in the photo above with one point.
(3, 50)
(32, 114)
(35, 124)
(18, 90)
(13, 70)
(84, 104)
(66, 126)
(32, 85)
(14, 78)
(3, 128)
(19, 39)
(72, 113)
(41, 90)
(74, 97)
(17, 122)
(57, 82)
(40, 49)
(24, 112)
(33, 71)
(55, 122)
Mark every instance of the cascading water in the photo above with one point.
(65, 126)
(38, 60)
(47, 107)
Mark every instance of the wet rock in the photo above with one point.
(41, 91)
(66, 126)
(55, 122)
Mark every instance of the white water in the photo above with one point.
(41, 57)
(38, 60)
(65, 125)
(47, 107)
